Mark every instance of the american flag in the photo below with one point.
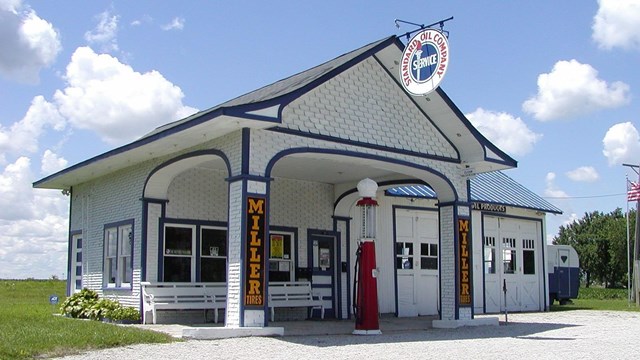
(633, 191)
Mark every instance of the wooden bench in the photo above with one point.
(182, 296)
(293, 294)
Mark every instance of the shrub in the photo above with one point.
(126, 314)
(78, 304)
(102, 309)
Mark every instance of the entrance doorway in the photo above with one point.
(75, 275)
(512, 260)
(323, 260)
(416, 262)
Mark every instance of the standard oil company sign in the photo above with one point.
(424, 62)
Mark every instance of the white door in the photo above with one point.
(76, 263)
(416, 251)
(511, 263)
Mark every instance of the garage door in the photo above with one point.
(512, 260)
(416, 246)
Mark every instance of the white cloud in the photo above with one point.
(507, 132)
(23, 136)
(573, 89)
(616, 24)
(621, 144)
(584, 174)
(29, 43)
(33, 225)
(104, 34)
(175, 24)
(118, 103)
(552, 190)
(52, 163)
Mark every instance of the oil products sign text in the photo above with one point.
(464, 261)
(254, 288)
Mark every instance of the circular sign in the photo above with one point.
(53, 299)
(424, 62)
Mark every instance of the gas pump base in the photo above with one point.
(366, 332)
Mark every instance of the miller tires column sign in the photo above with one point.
(254, 287)
(424, 62)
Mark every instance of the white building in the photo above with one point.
(177, 204)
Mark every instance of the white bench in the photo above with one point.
(182, 296)
(293, 294)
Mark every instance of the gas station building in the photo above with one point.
(263, 188)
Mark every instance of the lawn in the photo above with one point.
(596, 298)
(29, 328)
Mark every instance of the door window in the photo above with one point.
(213, 259)
(404, 255)
(281, 257)
(489, 254)
(509, 255)
(178, 254)
(528, 257)
(428, 256)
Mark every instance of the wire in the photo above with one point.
(582, 197)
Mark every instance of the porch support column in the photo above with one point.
(456, 271)
(247, 272)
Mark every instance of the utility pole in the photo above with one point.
(636, 243)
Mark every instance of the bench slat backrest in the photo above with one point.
(290, 291)
(184, 292)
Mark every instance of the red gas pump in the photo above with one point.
(365, 303)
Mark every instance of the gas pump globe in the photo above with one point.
(367, 190)
(365, 305)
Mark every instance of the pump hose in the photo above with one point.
(356, 273)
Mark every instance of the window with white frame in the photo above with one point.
(118, 240)
(281, 261)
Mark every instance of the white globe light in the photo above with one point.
(367, 188)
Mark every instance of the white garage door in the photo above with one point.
(512, 260)
(416, 263)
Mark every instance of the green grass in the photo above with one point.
(595, 298)
(29, 329)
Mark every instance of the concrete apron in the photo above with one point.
(388, 324)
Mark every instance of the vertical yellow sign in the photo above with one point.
(464, 258)
(254, 288)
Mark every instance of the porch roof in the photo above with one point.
(262, 109)
(492, 187)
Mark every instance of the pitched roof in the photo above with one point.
(492, 187)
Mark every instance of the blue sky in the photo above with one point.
(553, 83)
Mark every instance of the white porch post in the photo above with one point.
(247, 256)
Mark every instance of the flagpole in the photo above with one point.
(628, 250)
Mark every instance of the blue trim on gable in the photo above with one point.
(362, 144)
(507, 160)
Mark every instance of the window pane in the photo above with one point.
(126, 239)
(111, 270)
(213, 270)
(404, 262)
(279, 270)
(489, 261)
(178, 241)
(433, 249)
(79, 243)
(214, 242)
(112, 242)
(177, 269)
(528, 262)
(509, 261)
(424, 249)
(125, 272)
(429, 263)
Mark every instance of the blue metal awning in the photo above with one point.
(492, 188)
